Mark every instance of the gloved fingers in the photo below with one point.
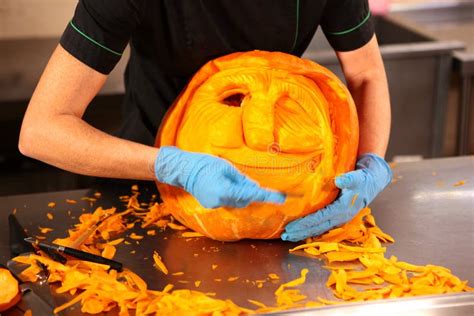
(234, 174)
(211, 195)
(312, 231)
(210, 203)
(378, 166)
(315, 219)
(351, 180)
(269, 196)
(337, 213)
(246, 191)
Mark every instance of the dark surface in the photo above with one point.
(431, 220)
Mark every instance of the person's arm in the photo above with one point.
(365, 76)
(53, 130)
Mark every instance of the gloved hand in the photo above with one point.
(213, 181)
(358, 189)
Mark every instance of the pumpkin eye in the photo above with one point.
(234, 99)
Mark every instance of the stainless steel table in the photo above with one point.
(431, 220)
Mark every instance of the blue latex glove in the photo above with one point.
(371, 176)
(213, 181)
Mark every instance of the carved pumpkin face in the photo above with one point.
(288, 123)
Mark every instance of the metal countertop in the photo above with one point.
(431, 220)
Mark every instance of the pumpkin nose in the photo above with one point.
(258, 120)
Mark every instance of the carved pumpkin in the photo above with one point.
(286, 122)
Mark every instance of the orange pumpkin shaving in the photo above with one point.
(369, 276)
(176, 226)
(10, 293)
(101, 291)
(109, 251)
(191, 234)
(159, 263)
(273, 276)
(135, 236)
(393, 278)
(45, 230)
(115, 242)
(257, 303)
(288, 297)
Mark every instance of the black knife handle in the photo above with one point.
(82, 255)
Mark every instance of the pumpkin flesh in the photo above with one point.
(10, 293)
(287, 123)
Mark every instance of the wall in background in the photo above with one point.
(34, 18)
(29, 32)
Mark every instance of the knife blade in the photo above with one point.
(36, 296)
(17, 236)
(19, 246)
(39, 288)
(31, 300)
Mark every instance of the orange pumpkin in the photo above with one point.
(10, 291)
(286, 122)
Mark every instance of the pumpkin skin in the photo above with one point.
(286, 122)
(10, 293)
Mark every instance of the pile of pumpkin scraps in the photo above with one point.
(353, 253)
(99, 289)
(361, 272)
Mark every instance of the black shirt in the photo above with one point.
(171, 39)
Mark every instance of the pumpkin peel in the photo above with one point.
(354, 255)
(359, 241)
(10, 294)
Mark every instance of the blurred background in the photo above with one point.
(427, 47)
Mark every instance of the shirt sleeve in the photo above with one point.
(100, 30)
(347, 24)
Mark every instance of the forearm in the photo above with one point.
(53, 130)
(71, 144)
(365, 75)
(373, 108)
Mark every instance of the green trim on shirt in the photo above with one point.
(93, 41)
(352, 29)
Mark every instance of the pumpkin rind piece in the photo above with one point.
(286, 122)
(10, 293)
